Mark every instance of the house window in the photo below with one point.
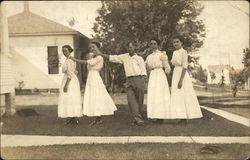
(53, 60)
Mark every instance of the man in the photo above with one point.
(135, 71)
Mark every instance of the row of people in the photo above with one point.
(181, 104)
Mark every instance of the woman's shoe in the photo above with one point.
(133, 123)
(140, 123)
(69, 121)
(137, 123)
(99, 122)
(75, 122)
(92, 123)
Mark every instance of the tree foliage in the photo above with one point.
(246, 62)
(237, 78)
(121, 22)
(199, 74)
(240, 77)
(213, 76)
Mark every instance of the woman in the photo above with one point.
(158, 101)
(184, 103)
(97, 101)
(69, 102)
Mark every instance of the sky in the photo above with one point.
(227, 25)
(62, 12)
(227, 32)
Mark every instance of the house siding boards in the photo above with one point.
(30, 60)
(6, 75)
(6, 78)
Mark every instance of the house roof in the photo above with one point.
(218, 68)
(28, 23)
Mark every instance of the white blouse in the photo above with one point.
(133, 65)
(158, 59)
(95, 63)
(69, 68)
(180, 58)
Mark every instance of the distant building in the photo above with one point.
(219, 72)
(35, 46)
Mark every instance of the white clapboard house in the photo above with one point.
(35, 45)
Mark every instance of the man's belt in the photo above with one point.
(136, 76)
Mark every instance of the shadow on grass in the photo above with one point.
(47, 123)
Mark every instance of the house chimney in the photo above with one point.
(26, 6)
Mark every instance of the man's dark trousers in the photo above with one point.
(135, 94)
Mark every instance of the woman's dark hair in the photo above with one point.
(156, 40)
(98, 45)
(70, 49)
(186, 42)
(179, 37)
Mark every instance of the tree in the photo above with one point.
(237, 79)
(240, 77)
(246, 57)
(199, 73)
(246, 62)
(222, 80)
(121, 22)
(213, 76)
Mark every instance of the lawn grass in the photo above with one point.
(222, 98)
(47, 123)
(134, 151)
(239, 105)
(239, 111)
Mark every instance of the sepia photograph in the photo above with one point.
(125, 80)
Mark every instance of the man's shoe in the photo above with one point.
(140, 123)
(144, 116)
(99, 122)
(136, 123)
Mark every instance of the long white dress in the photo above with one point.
(158, 99)
(70, 103)
(184, 103)
(96, 101)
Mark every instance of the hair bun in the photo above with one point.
(98, 44)
(156, 40)
(68, 47)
